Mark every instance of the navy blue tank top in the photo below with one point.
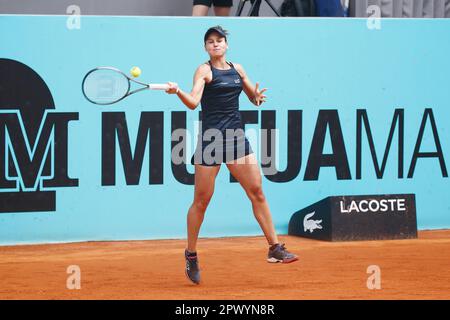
(220, 111)
(220, 100)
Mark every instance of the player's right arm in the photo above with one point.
(192, 99)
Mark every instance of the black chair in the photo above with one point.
(289, 8)
(254, 10)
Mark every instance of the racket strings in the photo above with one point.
(105, 86)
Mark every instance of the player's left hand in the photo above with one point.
(259, 97)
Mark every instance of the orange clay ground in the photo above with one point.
(232, 268)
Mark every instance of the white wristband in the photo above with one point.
(178, 90)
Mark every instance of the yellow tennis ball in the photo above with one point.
(135, 72)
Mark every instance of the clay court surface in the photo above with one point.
(232, 268)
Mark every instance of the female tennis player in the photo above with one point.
(217, 85)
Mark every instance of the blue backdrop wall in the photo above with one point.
(324, 77)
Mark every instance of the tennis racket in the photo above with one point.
(107, 85)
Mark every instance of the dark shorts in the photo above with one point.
(216, 3)
(213, 152)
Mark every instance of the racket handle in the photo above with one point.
(158, 86)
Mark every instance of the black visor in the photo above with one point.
(216, 29)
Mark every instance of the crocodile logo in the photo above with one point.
(311, 225)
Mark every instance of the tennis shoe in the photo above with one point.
(192, 269)
(279, 253)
